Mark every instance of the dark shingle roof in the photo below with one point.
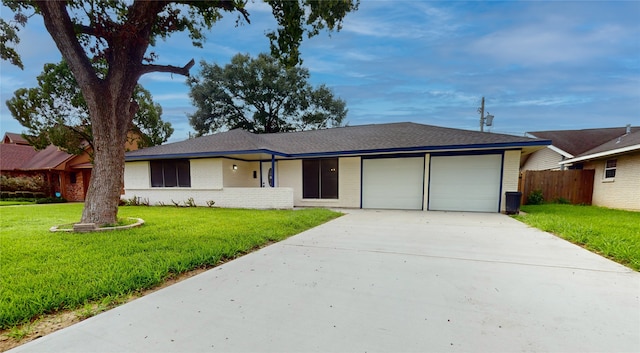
(383, 137)
(576, 142)
(25, 157)
(13, 156)
(11, 137)
(627, 140)
(373, 138)
(48, 158)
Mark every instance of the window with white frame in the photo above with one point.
(610, 168)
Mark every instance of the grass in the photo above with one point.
(43, 272)
(14, 203)
(611, 233)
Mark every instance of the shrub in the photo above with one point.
(135, 201)
(190, 202)
(34, 183)
(51, 200)
(535, 198)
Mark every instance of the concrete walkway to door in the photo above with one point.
(385, 281)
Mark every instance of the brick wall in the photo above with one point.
(207, 185)
(258, 198)
(623, 191)
(73, 191)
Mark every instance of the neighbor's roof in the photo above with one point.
(576, 142)
(13, 138)
(48, 158)
(622, 144)
(349, 140)
(13, 156)
(24, 157)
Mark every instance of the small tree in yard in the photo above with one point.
(261, 95)
(120, 33)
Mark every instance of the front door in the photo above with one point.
(268, 175)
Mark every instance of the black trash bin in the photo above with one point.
(513, 202)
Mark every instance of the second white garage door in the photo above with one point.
(465, 183)
(393, 183)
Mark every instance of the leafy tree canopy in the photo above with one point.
(123, 33)
(261, 95)
(8, 37)
(56, 113)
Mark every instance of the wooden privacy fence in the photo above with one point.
(576, 186)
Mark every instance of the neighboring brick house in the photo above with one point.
(567, 144)
(390, 166)
(65, 174)
(617, 170)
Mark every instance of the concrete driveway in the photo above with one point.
(386, 281)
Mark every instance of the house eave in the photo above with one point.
(560, 151)
(602, 154)
(425, 149)
(188, 155)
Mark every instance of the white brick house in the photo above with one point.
(398, 166)
(617, 171)
(567, 144)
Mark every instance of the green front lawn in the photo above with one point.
(9, 202)
(611, 233)
(43, 272)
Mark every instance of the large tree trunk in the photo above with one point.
(103, 195)
(111, 117)
(108, 98)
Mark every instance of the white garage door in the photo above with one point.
(465, 183)
(393, 183)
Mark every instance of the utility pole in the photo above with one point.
(484, 120)
(482, 116)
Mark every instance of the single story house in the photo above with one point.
(387, 166)
(64, 174)
(566, 144)
(617, 170)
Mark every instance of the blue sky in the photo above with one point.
(541, 65)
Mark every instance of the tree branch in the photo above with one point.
(57, 20)
(184, 71)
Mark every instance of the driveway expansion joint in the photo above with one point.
(460, 258)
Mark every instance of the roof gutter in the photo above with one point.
(602, 154)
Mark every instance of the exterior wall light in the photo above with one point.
(235, 167)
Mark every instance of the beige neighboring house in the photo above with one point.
(567, 144)
(386, 166)
(617, 170)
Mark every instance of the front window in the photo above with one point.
(172, 173)
(610, 168)
(320, 178)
